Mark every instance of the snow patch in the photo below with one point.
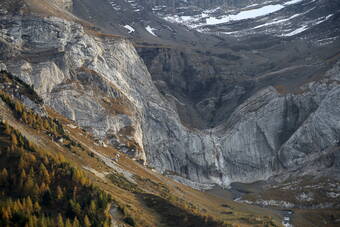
(128, 27)
(292, 2)
(296, 31)
(151, 30)
(248, 14)
(321, 20)
(277, 21)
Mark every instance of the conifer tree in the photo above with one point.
(68, 223)
(28, 204)
(87, 222)
(36, 206)
(93, 207)
(60, 221)
(28, 186)
(22, 163)
(59, 193)
(24, 117)
(3, 176)
(44, 173)
(76, 222)
(5, 214)
(23, 174)
(14, 139)
(32, 221)
(43, 221)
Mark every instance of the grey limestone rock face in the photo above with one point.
(86, 79)
(268, 134)
(103, 85)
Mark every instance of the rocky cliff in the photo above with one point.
(100, 82)
(85, 78)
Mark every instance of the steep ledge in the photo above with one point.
(103, 85)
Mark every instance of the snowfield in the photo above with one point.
(206, 18)
(249, 14)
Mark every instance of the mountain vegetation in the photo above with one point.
(38, 189)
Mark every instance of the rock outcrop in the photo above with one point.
(87, 79)
(267, 134)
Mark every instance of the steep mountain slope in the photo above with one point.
(47, 185)
(217, 108)
(103, 85)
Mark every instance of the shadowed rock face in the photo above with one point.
(103, 85)
(206, 95)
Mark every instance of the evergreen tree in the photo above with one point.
(36, 207)
(59, 193)
(3, 177)
(60, 221)
(26, 199)
(44, 173)
(93, 207)
(87, 222)
(5, 214)
(28, 204)
(68, 223)
(14, 139)
(76, 222)
(28, 185)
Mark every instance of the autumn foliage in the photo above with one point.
(38, 189)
